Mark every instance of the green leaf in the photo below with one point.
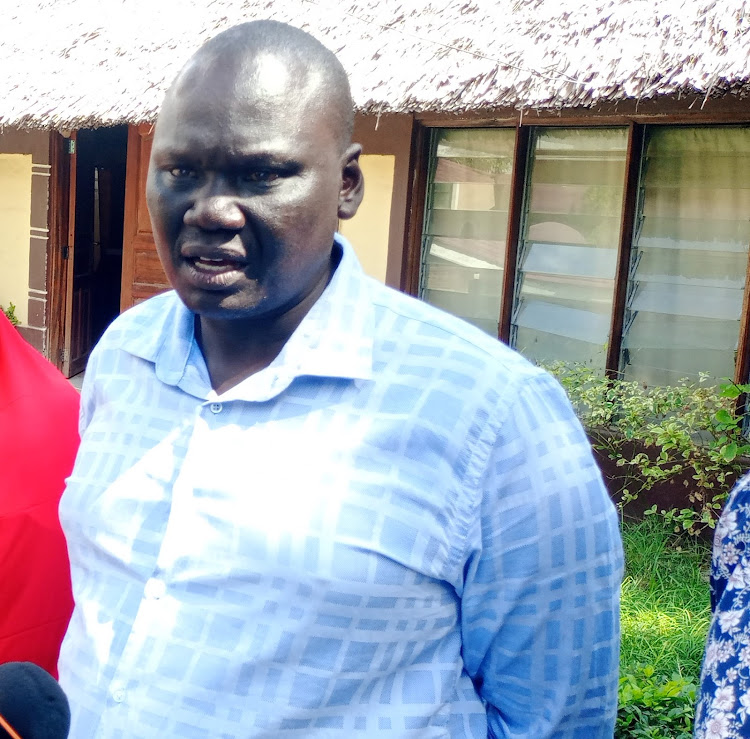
(723, 416)
(731, 391)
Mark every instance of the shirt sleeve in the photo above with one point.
(730, 542)
(88, 395)
(723, 705)
(540, 603)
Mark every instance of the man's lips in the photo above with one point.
(216, 265)
(213, 268)
(213, 261)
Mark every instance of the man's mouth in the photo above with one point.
(216, 265)
(213, 271)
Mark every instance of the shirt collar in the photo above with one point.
(334, 339)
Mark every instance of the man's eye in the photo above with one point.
(182, 173)
(260, 175)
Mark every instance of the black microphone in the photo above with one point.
(32, 704)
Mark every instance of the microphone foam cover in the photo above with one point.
(32, 702)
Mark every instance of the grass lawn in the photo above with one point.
(665, 614)
(665, 599)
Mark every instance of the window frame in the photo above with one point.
(423, 160)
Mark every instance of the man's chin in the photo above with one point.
(216, 306)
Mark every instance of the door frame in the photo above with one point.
(70, 252)
(62, 203)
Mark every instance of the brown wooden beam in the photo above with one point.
(59, 188)
(627, 228)
(664, 110)
(515, 218)
(581, 120)
(69, 263)
(415, 211)
(134, 191)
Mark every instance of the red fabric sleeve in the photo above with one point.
(38, 443)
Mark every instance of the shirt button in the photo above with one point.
(155, 589)
(118, 696)
(216, 407)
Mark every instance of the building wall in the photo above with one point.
(386, 142)
(368, 231)
(15, 217)
(24, 182)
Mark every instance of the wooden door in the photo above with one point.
(69, 255)
(142, 273)
(79, 341)
(91, 201)
(94, 301)
(58, 247)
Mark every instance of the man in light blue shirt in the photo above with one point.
(306, 504)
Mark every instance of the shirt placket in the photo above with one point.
(155, 605)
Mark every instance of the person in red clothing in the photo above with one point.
(38, 444)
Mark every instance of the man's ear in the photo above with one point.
(352, 183)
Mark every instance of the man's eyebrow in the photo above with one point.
(262, 157)
(172, 153)
(237, 159)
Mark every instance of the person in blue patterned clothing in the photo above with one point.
(723, 707)
(306, 504)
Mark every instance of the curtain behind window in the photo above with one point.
(463, 248)
(689, 255)
(568, 251)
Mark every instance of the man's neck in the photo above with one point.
(233, 354)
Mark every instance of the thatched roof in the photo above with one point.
(76, 63)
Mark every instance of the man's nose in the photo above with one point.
(213, 209)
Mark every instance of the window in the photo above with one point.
(679, 299)
(689, 255)
(568, 251)
(463, 251)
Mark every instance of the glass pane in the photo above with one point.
(568, 252)
(467, 222)
(689, 255)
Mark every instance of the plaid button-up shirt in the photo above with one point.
(395, 529)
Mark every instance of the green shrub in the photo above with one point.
(655, 434)
(10, 313)
(654, 706)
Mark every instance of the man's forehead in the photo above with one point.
(247, 72)
(237, 92)
(272, 75)
(265, 110)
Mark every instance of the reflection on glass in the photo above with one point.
(466, 224)
(689, 255)
(568, 251)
